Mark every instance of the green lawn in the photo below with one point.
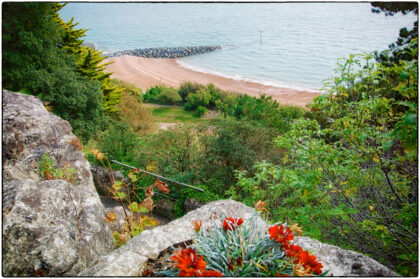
(173, 114)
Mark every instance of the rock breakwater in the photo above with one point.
(166, 52)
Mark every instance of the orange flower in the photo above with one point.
(211, 273)
(197, 225)
(189, 263)
(231, 223)
(300, 270)
(280, 234)
(293, 251)
(260, 205)
(309, 262)
(296, 229)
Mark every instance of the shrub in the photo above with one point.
(136, 115)
(201, 111)
(187, 88)
(119, 141)
(152, 94)
(169, 96)
(200, 98)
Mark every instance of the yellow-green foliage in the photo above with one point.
(89, 61)
(133, 112)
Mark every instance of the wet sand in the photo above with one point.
(148, 72)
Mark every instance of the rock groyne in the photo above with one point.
(166, 52)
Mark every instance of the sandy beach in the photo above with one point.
(148, 72)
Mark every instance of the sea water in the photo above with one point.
(285, 44)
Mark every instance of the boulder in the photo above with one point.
(131, 259)
(165, 208)
(102, 181)
(191, 204)
(50, 227)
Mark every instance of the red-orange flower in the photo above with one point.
(211, 273)
(280, 234)
(189, 263)
(293, 251)
(282, 275)
(231, 223)
(309, 262)
(197, 225)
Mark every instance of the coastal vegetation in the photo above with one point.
(345, 168)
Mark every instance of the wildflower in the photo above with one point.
(296, 229)
(293, 251)
(230, 266)
(300, 270)
(231, 223)
(189, 263)
(260, 205)
(281, 234)
(282, 275)
(309, 262)
(197, 225)
(239, 261)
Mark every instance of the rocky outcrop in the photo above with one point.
(131, 259)
(191, 204)
(50, 227)
(166, 52)
(102, 181)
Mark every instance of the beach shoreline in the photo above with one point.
(148, 72)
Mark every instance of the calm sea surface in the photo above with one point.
(287, 44)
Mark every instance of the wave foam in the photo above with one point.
(277, 84)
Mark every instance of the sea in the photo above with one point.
(294, 45)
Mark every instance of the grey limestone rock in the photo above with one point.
(50, 227)
(149, 244)
(192, 204)
(102, 181)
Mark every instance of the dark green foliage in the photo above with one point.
(349, 174)
(201, 111)
(152, 94)
(187, 88)
(264, 110)
(34, 62)
(391, 8)
(119, 142)
(88, 61)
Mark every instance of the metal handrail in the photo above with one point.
(157, 176)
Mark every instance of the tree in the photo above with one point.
(89, 61)
(35, 62)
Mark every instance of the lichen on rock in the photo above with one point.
(50, 227)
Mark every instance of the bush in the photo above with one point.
(187, 88)
(152, 94)
(200, 98)
(120, 142)
(133, 112)
(169, 96)
(201, 111)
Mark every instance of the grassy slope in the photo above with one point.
(173, 114)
